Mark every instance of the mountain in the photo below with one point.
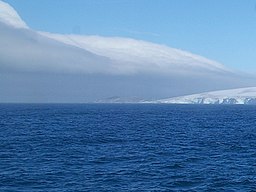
(116, 99)
(231, 96)
(38, 66)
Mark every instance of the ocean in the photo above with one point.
(127, 147)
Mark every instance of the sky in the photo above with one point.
(221, 30)
(78, 51)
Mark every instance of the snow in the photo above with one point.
(9, 16)
(231, 96)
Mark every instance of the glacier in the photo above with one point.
(230, 96)
(100, 67)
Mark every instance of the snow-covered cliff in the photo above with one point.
(231, 96)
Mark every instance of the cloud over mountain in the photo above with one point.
(96, 67)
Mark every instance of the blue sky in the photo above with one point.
(222, 30)
(58, 67)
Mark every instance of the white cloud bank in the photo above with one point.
(91, 54)
(131, 56)
(9, 16)
(86, 68)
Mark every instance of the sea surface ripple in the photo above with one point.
(125, 147)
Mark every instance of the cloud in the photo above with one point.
(43, 67)
(32, 50)
(9, 16)
(26, 50)
(131, 56)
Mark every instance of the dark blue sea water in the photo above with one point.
(59, 148)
